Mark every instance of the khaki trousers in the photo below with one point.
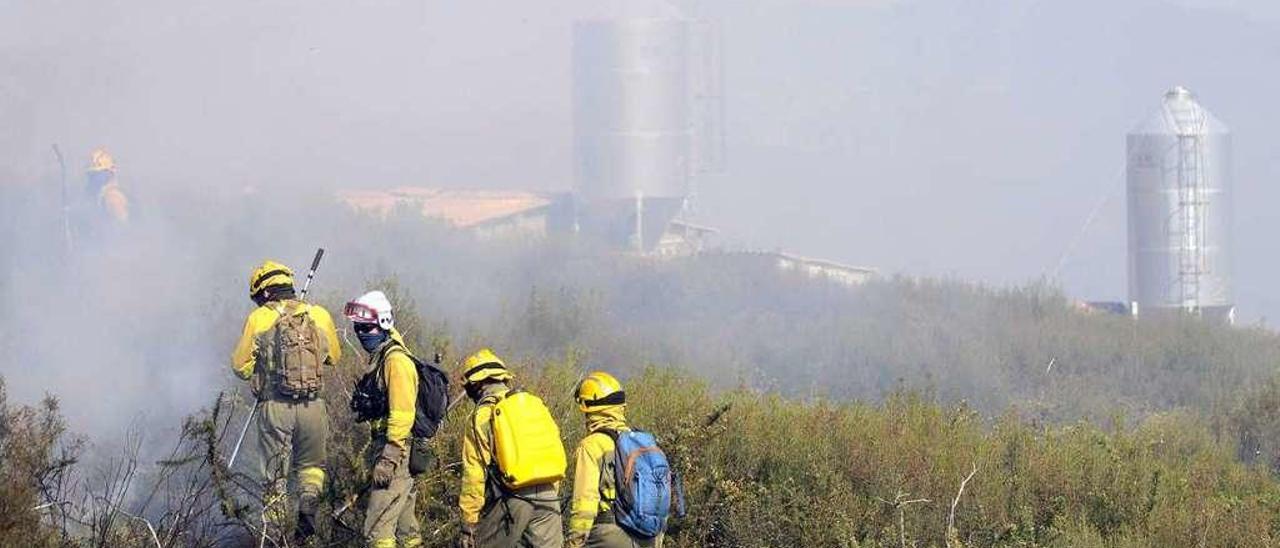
(610, 535)
(390, 512)
(291, 439)
(531, 520)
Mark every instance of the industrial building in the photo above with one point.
(514, 214)
(648, 121)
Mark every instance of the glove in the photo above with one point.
(385, 468)
(576, 540)
(467, 536)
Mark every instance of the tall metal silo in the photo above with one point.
(632, 129)
(1179, 190)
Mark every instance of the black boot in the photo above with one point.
(306, 527)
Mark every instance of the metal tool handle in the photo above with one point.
(66, 202)
(244, 430)
(315, 264)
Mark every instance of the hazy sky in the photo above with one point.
(960, 138)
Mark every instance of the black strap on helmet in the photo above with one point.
(257, 284)
(482, 367)
(616, 398)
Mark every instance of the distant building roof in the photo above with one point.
(845, 274)
(835, 271)
(686, 226)
(460, 208)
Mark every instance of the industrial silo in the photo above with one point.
(1179, 182)
(632, 129)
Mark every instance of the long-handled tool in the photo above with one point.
(315, 264)
(66, 204)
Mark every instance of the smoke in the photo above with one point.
(944, 139)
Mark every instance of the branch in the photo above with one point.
(48, 504)
(951, 519)
(900, 504)
(150, 529)
(116, 509)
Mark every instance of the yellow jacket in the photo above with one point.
(402, 392)
(114, 202)
(262, 319)
(477, 453)
(592, 491)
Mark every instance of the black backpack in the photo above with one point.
(369, 399)
(433, 398)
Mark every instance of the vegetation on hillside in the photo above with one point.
(760, 470)
(764, 471)
(799, 411)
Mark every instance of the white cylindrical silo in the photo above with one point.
(632, 126)
(1179, 201)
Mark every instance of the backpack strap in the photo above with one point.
(491, 400)
(292, 307)
(381, 367)
(391, 346)
(608, 467)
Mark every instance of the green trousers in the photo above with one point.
(610, 535)
(390, 515)
(291, 439)
(531, 520)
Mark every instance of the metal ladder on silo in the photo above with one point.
(1191, 219)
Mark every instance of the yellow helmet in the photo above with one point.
(100, 160)
(484, 365)
(598, 391)
(268, 274)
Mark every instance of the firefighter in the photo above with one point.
(593, 522)
(393, 394)
(285, 347)
(103, 187)
(514, 503)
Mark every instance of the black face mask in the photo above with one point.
(371, 340)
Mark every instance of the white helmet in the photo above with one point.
(372, 307)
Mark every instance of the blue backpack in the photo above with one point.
(644, 483)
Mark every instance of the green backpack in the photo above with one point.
(294, 351)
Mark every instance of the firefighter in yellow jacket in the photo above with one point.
(103, 187)
(494, 515)
(285, 346)
(591, 522)
(392, 398)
